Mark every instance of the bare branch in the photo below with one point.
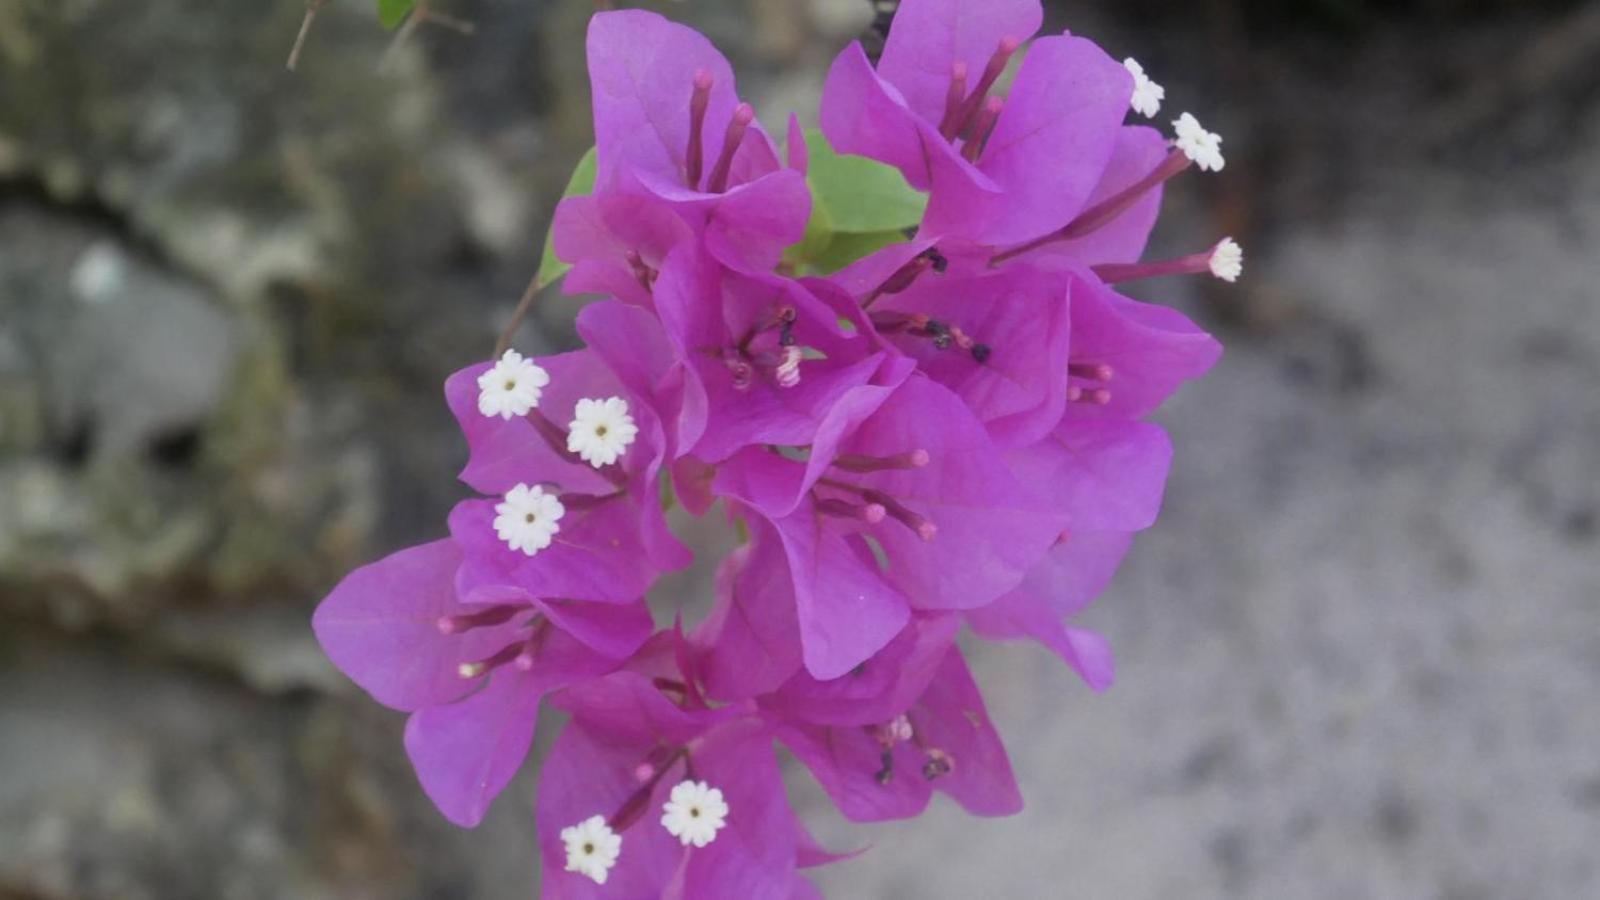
(312, 8)
(523, 305)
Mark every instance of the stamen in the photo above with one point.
(504, 655)
(924, 527)
(645, 275)
(939, 764)
(907, 274)
(671, 685)
(953, 99)
(529, 657)
(871, 513)
(1093, 371)
(914, 459)
(987, 118)
(895, 731)
(885, 773)
(695, 159)
(658, 765)
(1106, 211)
(981, 353)
(494, 615)
(991, 74)
(1093, 396)
(743, 115)
(743, 373)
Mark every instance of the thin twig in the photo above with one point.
(422, 14)
(523, 305)
(312, 8)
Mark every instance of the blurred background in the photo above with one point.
(1359, 656)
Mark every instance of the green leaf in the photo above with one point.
(860, 195)
(846, 248)
(392, 12)
(581, 183)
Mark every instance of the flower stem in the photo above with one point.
(529, 294)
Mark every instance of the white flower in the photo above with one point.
(1227, 260)
(512, 387)
(1199, 144)
(601, 430)
(1147, 95)
(592, 848)
(694, 813)
(528, 518)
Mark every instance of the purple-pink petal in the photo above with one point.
(380, 626)
(929, 36)
(1055, 137)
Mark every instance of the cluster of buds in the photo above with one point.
(948, 433)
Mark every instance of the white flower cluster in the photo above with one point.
(694, 813)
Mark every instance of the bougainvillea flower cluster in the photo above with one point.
(918, 429)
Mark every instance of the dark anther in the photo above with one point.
(980, 352)
(940, 263)
(786, 333)
(887, 771)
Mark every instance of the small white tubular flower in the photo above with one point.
(788, 369)
(1227, 260)
(1147, 95)
(601, 430)
(512, 387)
(592, 848)
(528, 518)
(694, 813)
(1200, 145)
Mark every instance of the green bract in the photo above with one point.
(393, 12)
(858, 206)
(551, 266)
